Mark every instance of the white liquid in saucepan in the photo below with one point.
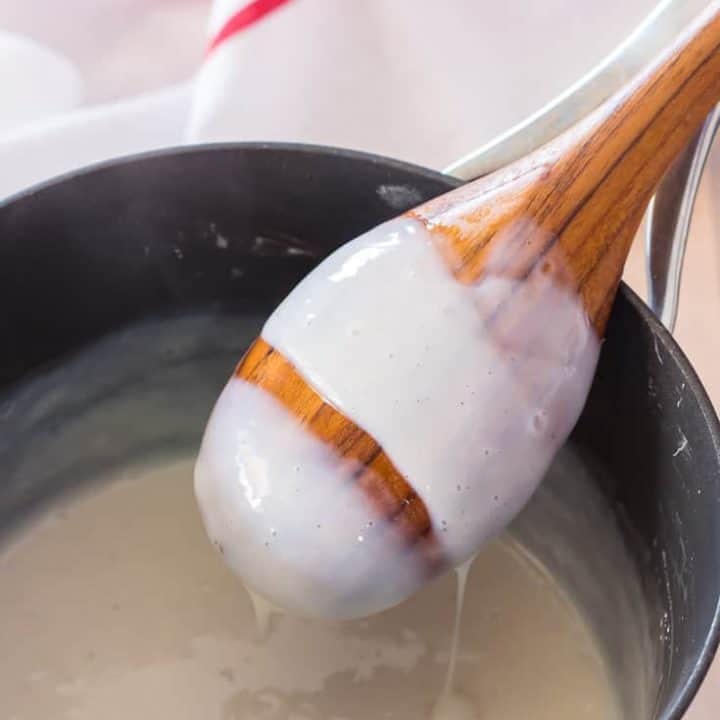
(115, 606)
(470, 410)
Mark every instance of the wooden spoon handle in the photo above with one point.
(574, 205)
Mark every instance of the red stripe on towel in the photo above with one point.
(244, 18)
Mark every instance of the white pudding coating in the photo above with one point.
(470, 407)
(289, 520)
(385, 333)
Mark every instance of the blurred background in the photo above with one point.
(88, 80)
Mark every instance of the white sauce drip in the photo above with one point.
(472, 419)
(263, 611)
(451, 705)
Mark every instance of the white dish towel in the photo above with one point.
(421, 81)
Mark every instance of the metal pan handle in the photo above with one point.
(652, 36)
(668, 223)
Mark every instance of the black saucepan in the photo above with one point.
(138, 238)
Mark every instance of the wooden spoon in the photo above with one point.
(570, 210)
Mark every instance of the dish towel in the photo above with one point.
(423, 82)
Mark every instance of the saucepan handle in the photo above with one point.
(668, 222)
(651, 37)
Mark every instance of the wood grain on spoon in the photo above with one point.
(567, 213)
(578, 201)
(388, 491)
